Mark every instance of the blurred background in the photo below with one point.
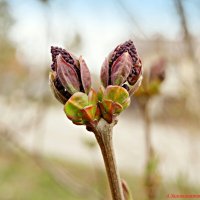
(42, 154)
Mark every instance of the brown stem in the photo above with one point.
(103, 135)
(151, 190)
(147, 125)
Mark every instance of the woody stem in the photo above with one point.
(103, 135)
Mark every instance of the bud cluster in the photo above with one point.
(70, 81)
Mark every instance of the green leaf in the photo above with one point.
(92, 97)
(108, 106)
(106, 115)
(100, 93)
(74, 106)
(117, 94)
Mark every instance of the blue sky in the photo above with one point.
(101, 24)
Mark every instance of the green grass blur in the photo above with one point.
(22, 178)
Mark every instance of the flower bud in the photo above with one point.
(152, 79)
(70, 75)
(157, 71)
(122, 67)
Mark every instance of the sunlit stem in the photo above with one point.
(103, 135)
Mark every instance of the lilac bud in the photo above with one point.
(157, 71)
(152, 80)
(122, 67)
(70, 75)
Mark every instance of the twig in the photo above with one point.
(150, 176)
(103, 135)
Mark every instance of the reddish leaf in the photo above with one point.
(67, 75)
(100, 93)
(89, 113)
(117, 108)
(97, 114)
(92, 97)
(105, 73)
(121, 69)
(108, 105)
(85, 75)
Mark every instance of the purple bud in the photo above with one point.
(122, 67)
(158, 69)
(71, 74)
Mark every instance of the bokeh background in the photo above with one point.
(42, 154)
